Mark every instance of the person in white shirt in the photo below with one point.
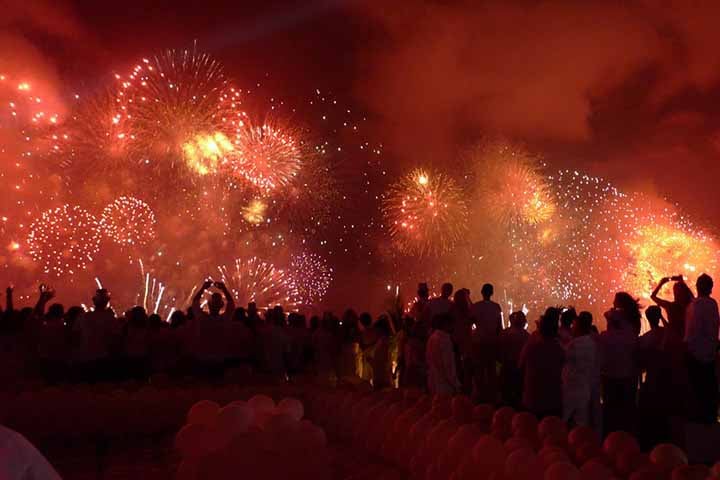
(438, 305)
(701, 337)
(440, 358)
(20, 460)
(578, 375)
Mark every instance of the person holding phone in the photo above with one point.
(209, 328)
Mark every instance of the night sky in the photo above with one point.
(625, 90)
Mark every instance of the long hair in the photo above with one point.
(682, 293)
(630, 307)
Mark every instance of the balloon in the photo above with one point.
(562, 471)
(488, 455)
(524, 423)
(582, 435)
(517, 443)
(292, 407)
(203, 412)
(193, 440)
(618, 442)
(522, 464)
(262, 404)
(667, 456)
(595, 470)
(552, 426)
(462, 409)
(629, 461)
(483, 415)
(235, 418)
(691, 472)
(187, 470)
(503, 417)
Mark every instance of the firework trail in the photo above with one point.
(426, 213)
(253, 280)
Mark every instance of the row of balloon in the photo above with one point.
(256, 439)
(448, 438)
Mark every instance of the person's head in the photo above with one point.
(423, 292)
(365, 320)
(653, 315)
(462, 298)
(487, 291)
(442, 322)
(56, 311)
(239, 315)
(567, 317)
(101, 300)
(630, 307)
(252, 309)
(518, 320)
(177, 319)
(549, 322)
(216, 303)
(704, 285)
(314, 322)
(682, 293)
(383, 326)
(154, 321)
(72, 315)
(137, 317)
(446, 290)
(582, 324)
(350, 318)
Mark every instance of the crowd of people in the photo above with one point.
(614, 380)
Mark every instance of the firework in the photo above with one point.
(311, 276)
(179, 109)
(64, 240)
(510, 186)
(269, 155)
(254, 213)
(254, 280)
(663, 243)
(426, 213)
(128, 221)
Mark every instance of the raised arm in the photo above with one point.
(196, 308)
(229, 300)
(46, 294)
(654, 295)
(9, 307)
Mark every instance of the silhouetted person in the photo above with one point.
(701, 337)
(579, 372)
(542, 361)
(487, 318)
(381, 361)
(136, 344)
(438, 305)
(462, 337)
(677, 309)
(565, 333)
(511, 342)
(208, 329)
(619, 372)
(423, 297)
(96, 329)
(654, 405)
(440, 358)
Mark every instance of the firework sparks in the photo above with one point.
(311, 276)
(254, 213)
(269, 155)
(253, 280)
(426, 213)
(178, 106)
(128, 221)
(64, 240)
(511, 188)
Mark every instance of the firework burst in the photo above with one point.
(128, 221)
(64, 240)
(311, 276)
(426, 213)
(269, 155)
(511, 188)
(179, 109)
(254, 280)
